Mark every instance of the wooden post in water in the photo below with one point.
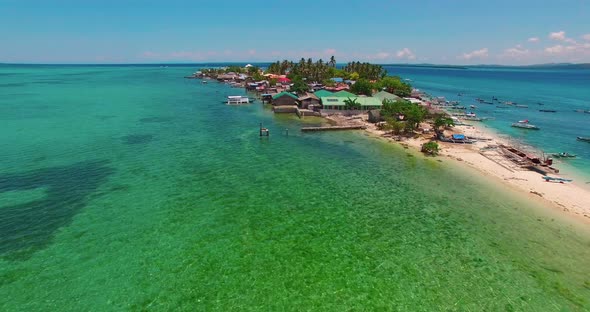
(264, 131)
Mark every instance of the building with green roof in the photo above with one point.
(345, 94)
(384, 95)
(338, 103)
(284, 98)
(323, 93)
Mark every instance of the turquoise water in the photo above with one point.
(130, 188)
(563, 90)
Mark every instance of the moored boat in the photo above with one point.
(237, 99)
(524, 124)
(548, 110)
(563, 155)
(585, 139)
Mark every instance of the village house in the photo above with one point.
(284, 99)
(383, 95)
(309, 101)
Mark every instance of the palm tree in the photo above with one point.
(352, 103)
(332, 62)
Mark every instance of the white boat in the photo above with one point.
(237, 99)
(524, 124)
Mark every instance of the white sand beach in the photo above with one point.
(572, 198)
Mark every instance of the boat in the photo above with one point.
(494, 98)
(563, 155)
(521, 106)
(472, 106)
(524, 124)
(558, 180)
(548, 110)
(237, 99)
(204, 81)
(584, 139)
(470, 114)
(473, 118)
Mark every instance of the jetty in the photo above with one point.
(333, 128)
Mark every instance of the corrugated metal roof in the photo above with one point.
(322, 93)
(339, 101)
(369, 101)
(278, 95)
(344, 94)
(384, 95)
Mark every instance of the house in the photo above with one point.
(332, 102)
(344, 94)
(383, 95)
(309, 99)
(369, 103)
(322, 93)
(339, 103)
(284, 98)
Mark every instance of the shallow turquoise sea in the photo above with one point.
(131, 188)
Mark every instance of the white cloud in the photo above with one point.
(533, 40)
(516, 52)
(477, 54)
(555, 49)
(560, 36)
(330, 52)
(406, 53)
(586, 37)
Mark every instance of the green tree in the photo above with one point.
(394, 125)
(362, 86)
(352, 104)
(443, 121)
(395, 85)
(354, 76)
(332, 62)
(430, 148)
(412, 114)
(299, 86)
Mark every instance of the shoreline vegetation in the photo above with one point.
(362, 96)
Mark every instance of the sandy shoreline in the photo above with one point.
(572, 198)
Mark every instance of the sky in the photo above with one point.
(515, 32)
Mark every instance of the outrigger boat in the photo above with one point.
(585, 139)
(563, 155)
(524, 124)
(548, 110)
(558, 180)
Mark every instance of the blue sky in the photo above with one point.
(442, 32)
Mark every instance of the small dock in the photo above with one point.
(333, 128)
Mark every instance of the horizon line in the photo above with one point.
(269, 62)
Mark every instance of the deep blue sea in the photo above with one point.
(563, 90)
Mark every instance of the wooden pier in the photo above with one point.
(332, 128)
